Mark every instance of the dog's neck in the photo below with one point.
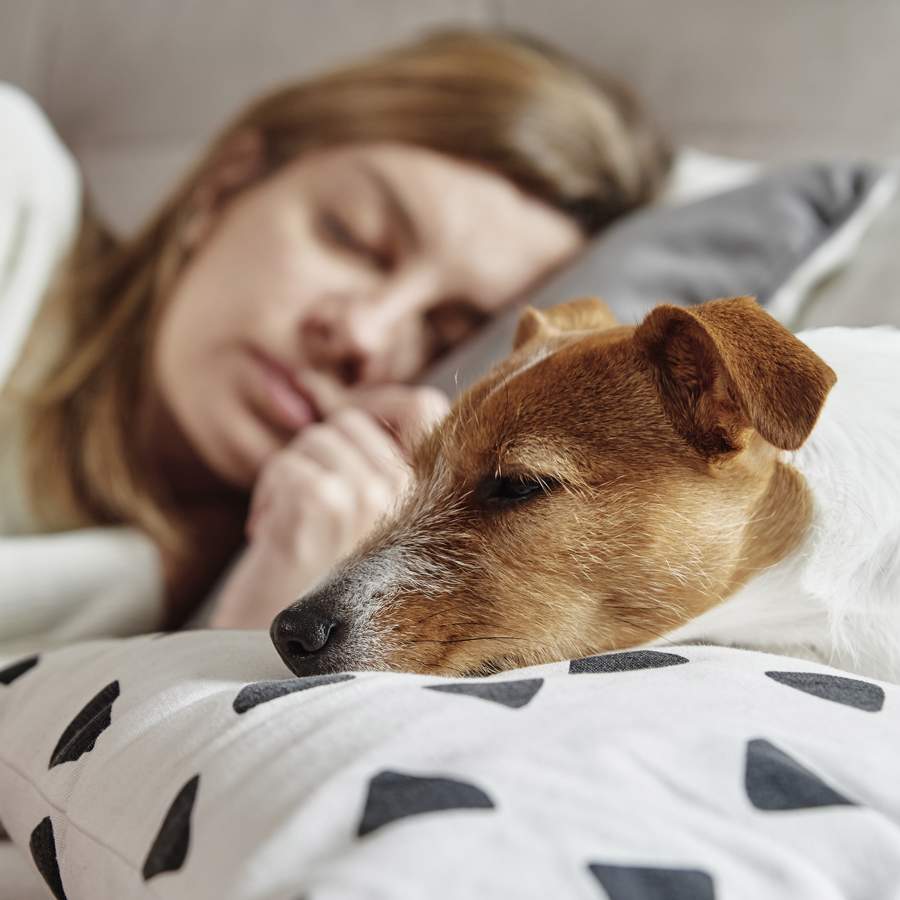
(836, 597)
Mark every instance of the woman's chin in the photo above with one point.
(238, 455)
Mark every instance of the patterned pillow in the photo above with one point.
(189, 766)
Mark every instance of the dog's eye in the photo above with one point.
(514, 488)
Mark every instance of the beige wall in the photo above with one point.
(136, 86)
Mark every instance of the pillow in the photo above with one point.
(190, 766)
(696, 173)
(774, 239)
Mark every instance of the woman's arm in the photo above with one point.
(262, 583)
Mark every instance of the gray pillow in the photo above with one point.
(749, 240)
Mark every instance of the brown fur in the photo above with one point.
(660, 448)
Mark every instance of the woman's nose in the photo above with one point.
(328, 348)
(351, 344)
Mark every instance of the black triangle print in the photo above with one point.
(624, 662)
(645, 883)
(262, 691)
(393, 796)
(11, 673)
(82, 732)
(514, 694)
(849, 691)
(4, 834)
(43, 852)
(777, 782)
(173, 839)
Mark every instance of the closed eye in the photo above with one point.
(513, 489)
(450, 323)
(338, 233)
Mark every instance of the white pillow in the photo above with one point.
(696, 174)
(679, 772)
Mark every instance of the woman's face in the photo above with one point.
(346, 268)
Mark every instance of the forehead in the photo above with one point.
(494, 238)
(573, 403)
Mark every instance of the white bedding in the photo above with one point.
(54, 588)
(684, 772)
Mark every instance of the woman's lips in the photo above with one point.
(285, 403)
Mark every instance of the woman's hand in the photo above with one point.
(318, 496)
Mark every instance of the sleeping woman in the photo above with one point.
(227, 397)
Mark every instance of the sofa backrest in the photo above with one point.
(136, 88)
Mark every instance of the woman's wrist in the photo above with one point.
(264, 582)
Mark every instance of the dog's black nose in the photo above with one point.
(304, 631)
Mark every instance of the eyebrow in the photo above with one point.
(396, 207)
(399, 211)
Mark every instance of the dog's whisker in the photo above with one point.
(463, 640)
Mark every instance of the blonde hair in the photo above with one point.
(575, 139)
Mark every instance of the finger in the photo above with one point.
(261, 491)
(382, 452)
(256, 513)
(283, 468)
(320, 515)
(305, 496)
(250, 523)
(258, 503)
(336, 451)
(408, 412)
(348, 461)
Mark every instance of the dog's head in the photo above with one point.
(599, 488)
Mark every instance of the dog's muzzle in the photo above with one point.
(308, 635)
(329, 630)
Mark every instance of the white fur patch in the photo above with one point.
(839, 592)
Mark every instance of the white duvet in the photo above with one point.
(191, 766)
(54, 588)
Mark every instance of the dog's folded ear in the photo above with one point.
(727, 365)
(583, 314)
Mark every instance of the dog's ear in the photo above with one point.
(583, 314)
(727, 365)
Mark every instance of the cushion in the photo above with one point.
(192, 766)
(864, 292)
(774, 238)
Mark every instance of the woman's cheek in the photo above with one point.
(410, 355)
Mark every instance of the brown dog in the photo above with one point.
(602, 486)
